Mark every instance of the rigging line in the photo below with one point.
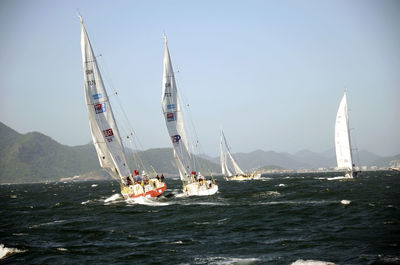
(130, 129)
(195, 143)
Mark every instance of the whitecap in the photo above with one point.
(282, 185)
(339, 178)
(19, 234)
(5, 252)
(296, 202)
(94, 185)
(147, 201)
(345, 202)
(62, 249)
(312, 262)
(85, 202)
(113, 198)
(47, 224)
(228, 260)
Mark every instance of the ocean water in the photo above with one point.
(280, 219)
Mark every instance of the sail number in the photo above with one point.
(91, 82)
(108, 134)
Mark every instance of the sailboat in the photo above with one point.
(192, 181)
(105, 133)
(225, 152)
(344, 156)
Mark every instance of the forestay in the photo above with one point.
(174, 119)
(342, 137)
(105, 134)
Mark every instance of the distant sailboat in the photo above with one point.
(344, 156)
(193, 182)
(105, 133)
(225, 152)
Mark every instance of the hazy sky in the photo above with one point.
(271, 72)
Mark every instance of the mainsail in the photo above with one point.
(174, 119)
(342, 137)
(105, 134)
(223, 159)
(238, 170)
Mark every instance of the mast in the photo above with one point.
(173, 116)
(104, 130)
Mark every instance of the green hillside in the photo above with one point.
(35, 157)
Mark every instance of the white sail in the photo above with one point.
(342, 137)
(238, 170)
(174, 119)
(223, 160)
(222, 157)
(105, 134)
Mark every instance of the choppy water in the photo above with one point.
(281, 219)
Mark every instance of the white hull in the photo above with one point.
(197, 189)
(252, 176)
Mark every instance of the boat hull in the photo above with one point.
(150, 191)
(199, 189)
(244, 177)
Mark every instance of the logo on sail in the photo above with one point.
(97, 96)
(176, 138)
(171, 106)
(108, 134)
(171, 116)
(100, 108)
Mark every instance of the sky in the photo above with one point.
(272, 73)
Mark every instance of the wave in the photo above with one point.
(47, 224)
(112, 198)
(312, 262)
(345, 202)
(339, 178)
(297, 202)
(62, 249)
(147, 201)
(6, 252)
(226, 260)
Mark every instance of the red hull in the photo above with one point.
(151, 193)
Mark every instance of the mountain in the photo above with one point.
(162, 159)
(392, 161)
(35, 157)
(305, 159)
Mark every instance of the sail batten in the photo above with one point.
(342, 137)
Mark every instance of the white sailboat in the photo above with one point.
(225, 152)
(105, 133)
(193, 182)
(344, 156)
